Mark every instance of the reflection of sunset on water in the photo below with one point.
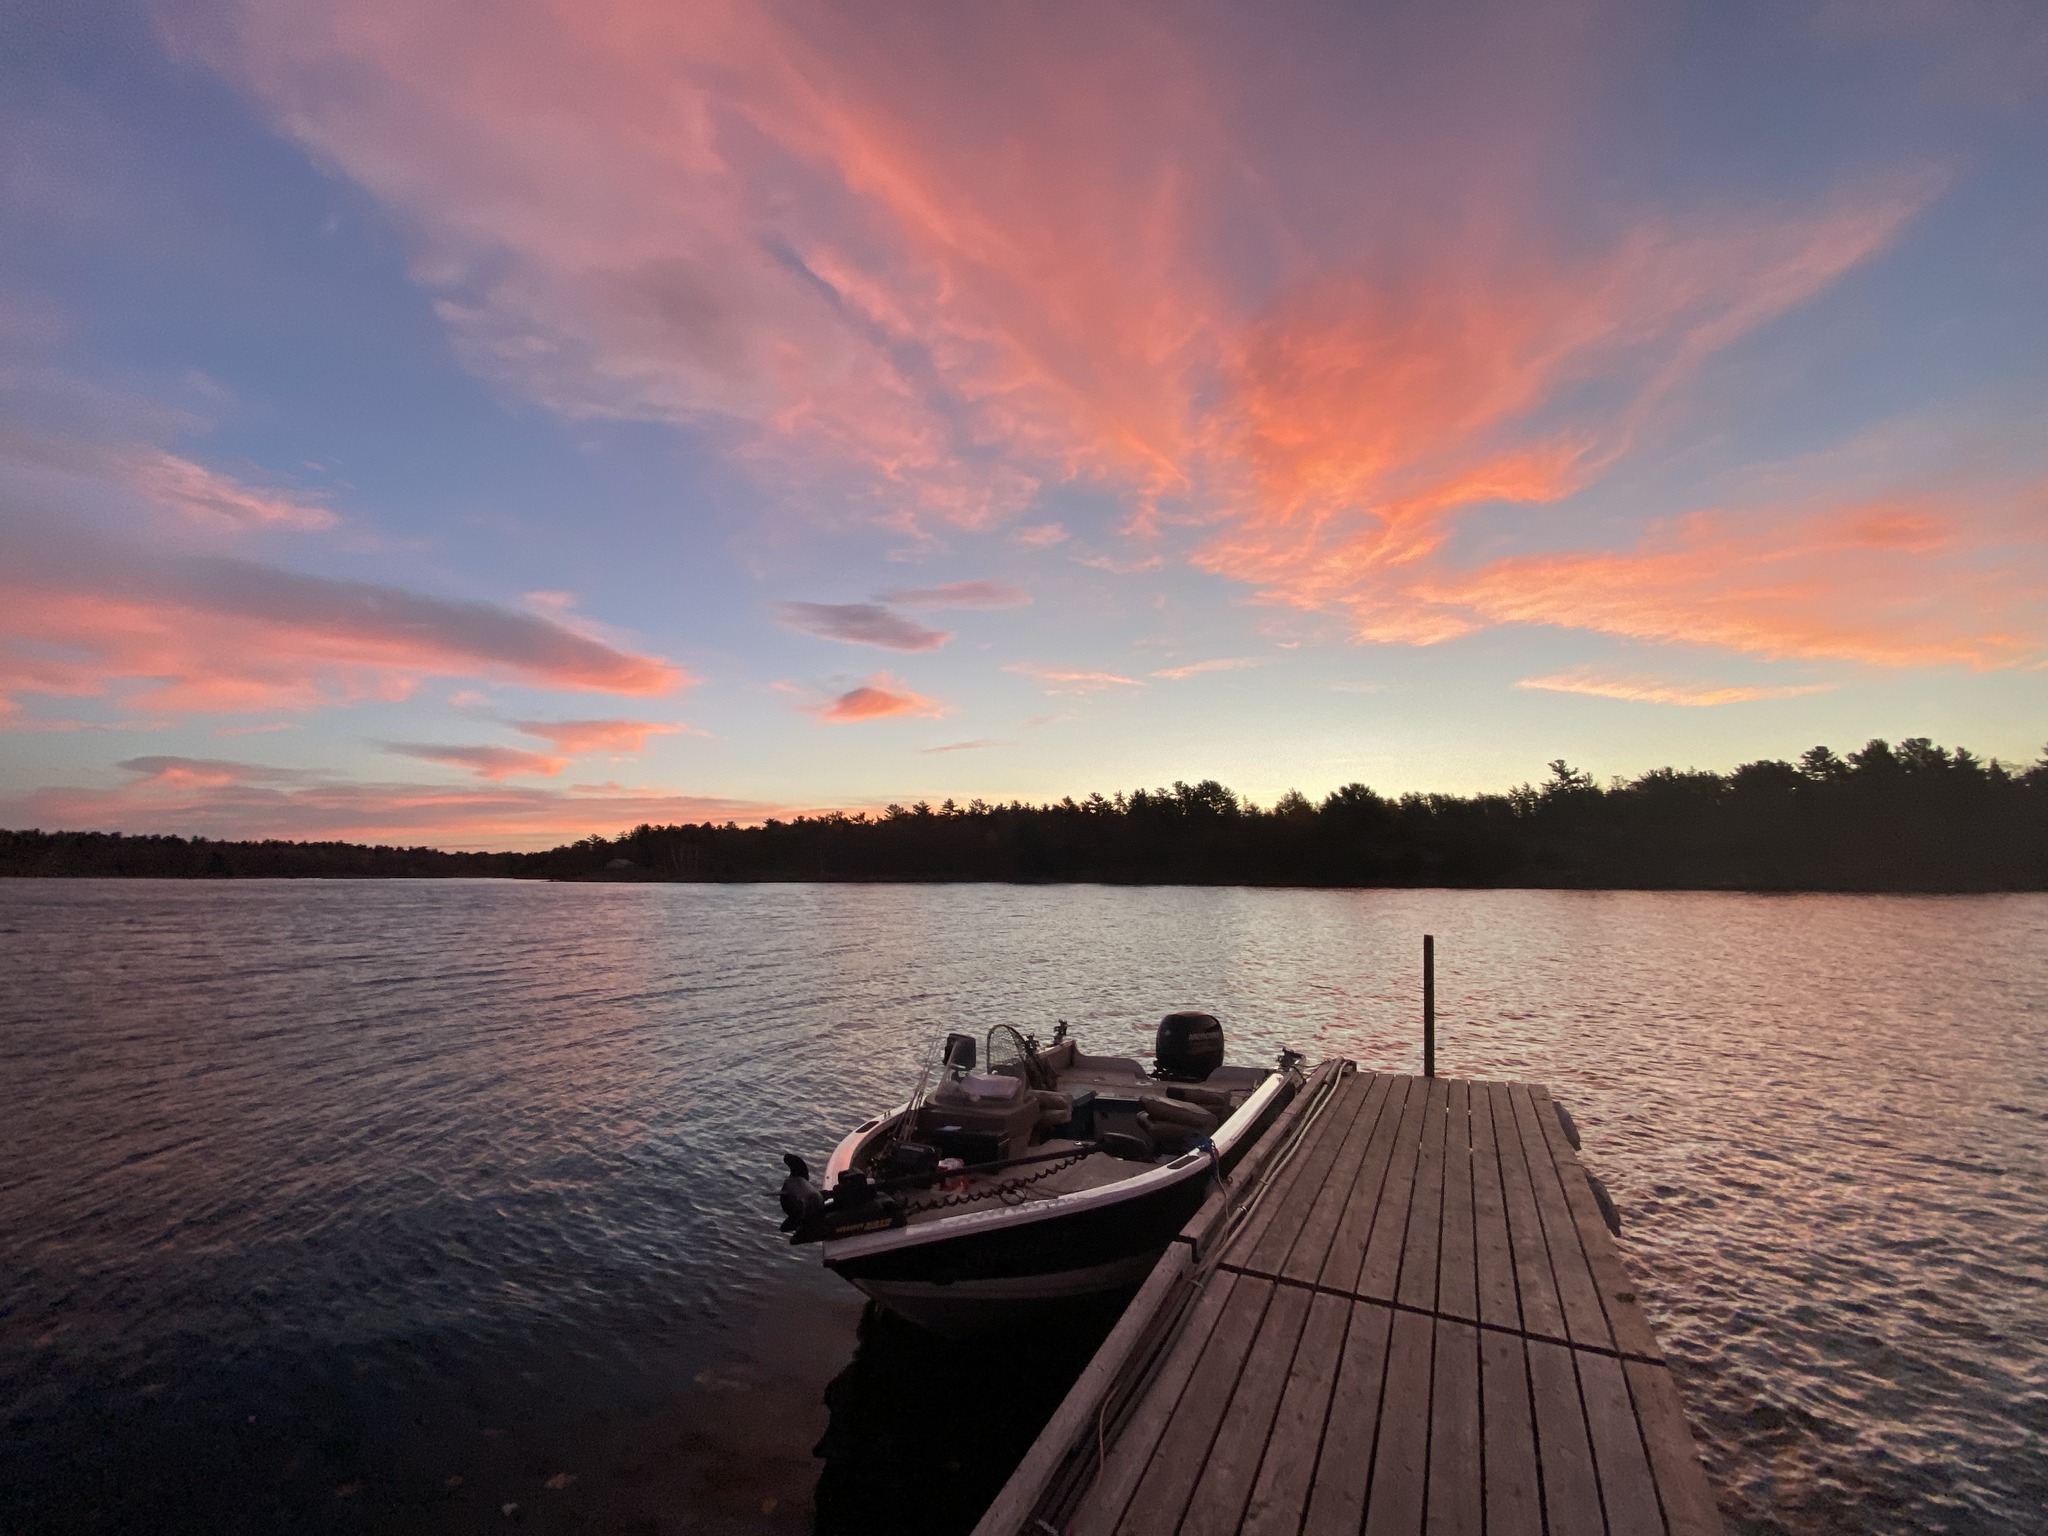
(396, 1165)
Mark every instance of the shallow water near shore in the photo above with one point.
(449, 1206)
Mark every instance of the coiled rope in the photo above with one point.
(1004, 1188)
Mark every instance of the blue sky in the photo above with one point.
(490, 425)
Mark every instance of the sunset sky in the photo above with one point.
(485, 424)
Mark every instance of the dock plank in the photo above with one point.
(1263, 1243)
(1226, 1201)
(1457, 1293)
(1535, 1287)
(1415, 1285)
(1443, 1341)
(1625, 1319)
(1354, 1229)
(1564, 1451)
(1400, 1463)
(1183, 1450)
(1689, 1508)
(1344, 1468)
(1280, 1495)
(1628, 1491)
(1380, 1269)
(1225, 1485)
(1456, 1472)
(1585, 1319)
(1493, 1250)
(1304, 1260)
(1131, 1453)
(1514, 1501)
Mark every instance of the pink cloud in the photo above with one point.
(879, 698)
(210, 499)
(578, 737)
(927, 263)
(165, 632)
(484, 762)
(1924, 584)
(1073, 680)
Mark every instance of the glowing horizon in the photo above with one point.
(501, 421)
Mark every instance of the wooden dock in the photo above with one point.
(1404, 1314)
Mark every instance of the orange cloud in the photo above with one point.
(484, 762)
(927, 263)
(1374, 410)
(1652, 690)
(577, 737)
(880, 697)
(81, 617)
(1887, 585)
(208, 798)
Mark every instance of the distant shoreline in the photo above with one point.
(1104, 882)
(1915, 818)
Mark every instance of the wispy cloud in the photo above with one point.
(1657, 690)
(168, 632)
(862, 624)
(210, 772)
(963, 746)
(577, 737)
(960, 594)
(484, 762)
(813, 238)
(1073, 680)
(1119, 567)
(1927, 583)
(879, 698)
(211, 499)
(1196, 668)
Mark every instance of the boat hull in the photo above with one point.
(987, 1268)
(963, 1308)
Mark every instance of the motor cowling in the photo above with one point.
(1189, 1047)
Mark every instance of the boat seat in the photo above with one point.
(988, 1105)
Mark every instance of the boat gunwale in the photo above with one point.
(967, 1223)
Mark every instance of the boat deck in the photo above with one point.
(1409, 1316)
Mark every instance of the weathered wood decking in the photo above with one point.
(1408, 1316)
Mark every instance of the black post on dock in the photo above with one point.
(1429, 1005)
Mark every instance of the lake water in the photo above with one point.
(450, 1206)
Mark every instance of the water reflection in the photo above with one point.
(391, 1167)
(924, 1431)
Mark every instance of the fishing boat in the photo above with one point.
(1017, 1178)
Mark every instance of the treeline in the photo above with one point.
(1912, 817)
(202, 858)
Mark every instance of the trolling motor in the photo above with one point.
(801, 1201)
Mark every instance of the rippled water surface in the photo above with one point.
(369, 1206)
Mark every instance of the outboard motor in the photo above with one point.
(1189, 1047)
